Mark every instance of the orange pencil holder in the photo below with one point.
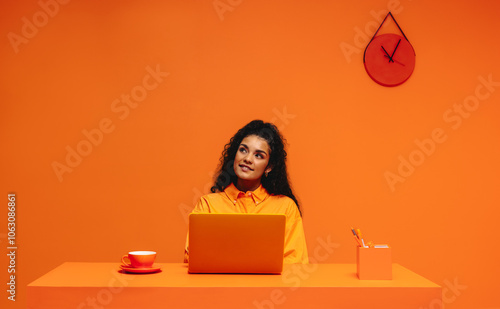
(374, 263)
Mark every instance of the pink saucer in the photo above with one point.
(141, 270)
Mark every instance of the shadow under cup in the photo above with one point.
(139, 259)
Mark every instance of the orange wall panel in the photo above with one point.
(114, 115)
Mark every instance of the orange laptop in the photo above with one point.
(236, 243)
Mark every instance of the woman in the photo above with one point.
(252, 178)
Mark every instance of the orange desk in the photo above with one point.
(101, 285)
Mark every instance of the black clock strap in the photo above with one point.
(389, 14)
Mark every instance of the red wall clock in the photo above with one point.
(389, 58)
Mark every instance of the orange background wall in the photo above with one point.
(295, 63)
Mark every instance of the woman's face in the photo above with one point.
(251, 162)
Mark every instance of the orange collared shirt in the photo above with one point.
(259, 201)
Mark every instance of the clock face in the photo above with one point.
(389, 59)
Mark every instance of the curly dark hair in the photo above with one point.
(276, 182)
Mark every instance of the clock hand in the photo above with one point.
(398, 62)
(387, 54)
(395, 61)
(395, 49)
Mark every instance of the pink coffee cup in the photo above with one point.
(139, 259)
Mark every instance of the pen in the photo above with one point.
(358, 232)
(356, 237)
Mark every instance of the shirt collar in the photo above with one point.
(258, 194)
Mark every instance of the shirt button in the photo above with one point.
(249, 193)
(234, 201)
